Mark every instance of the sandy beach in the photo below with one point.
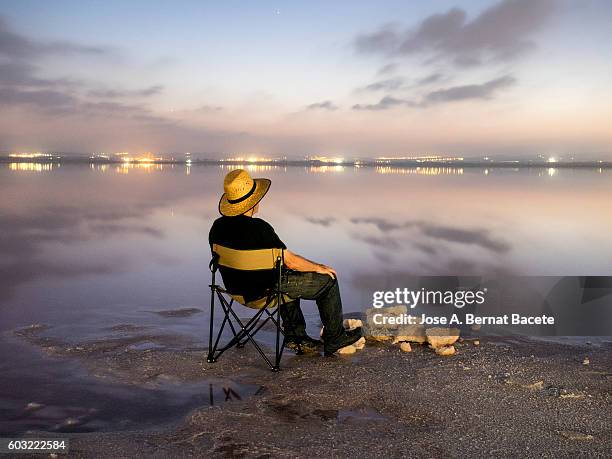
(501, 398)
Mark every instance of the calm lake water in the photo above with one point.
(83, 249)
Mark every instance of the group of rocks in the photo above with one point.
(440, 340)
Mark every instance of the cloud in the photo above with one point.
(472, 91)
(109, 229)
(93, 108)
(387, 69)
(433, 78)
(390, 84)
(43, 98)
(20, 84)
(382, 224)
(117, 93)
(326, 221)
(396, 84)
(13, 45)
(502, 31)
(385, 242)
(384, 40)
(385, 103)
(325, 105)
(483, 91)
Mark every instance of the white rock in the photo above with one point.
(360, 344)
(439, 337)
(350, 324)
(445, 350)
(405, 347)
(347, 350)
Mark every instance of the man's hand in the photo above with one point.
(298, 263)
(324, 269)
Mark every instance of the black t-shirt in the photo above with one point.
(245, 233)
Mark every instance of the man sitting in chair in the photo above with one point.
(301, 278)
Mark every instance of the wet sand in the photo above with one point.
(503, 398)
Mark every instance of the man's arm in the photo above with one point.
(298, 263)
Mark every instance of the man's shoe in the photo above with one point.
(345, 339)
(303, 344)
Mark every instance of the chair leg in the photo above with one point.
(279, 349)
(279, 296)
(211, 350)
(214, 352)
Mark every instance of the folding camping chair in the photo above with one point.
(249, 261)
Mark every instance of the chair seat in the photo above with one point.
(263, 302)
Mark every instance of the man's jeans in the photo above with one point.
(311, 286)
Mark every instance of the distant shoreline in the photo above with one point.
(490, 164)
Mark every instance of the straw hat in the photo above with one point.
(242, 193)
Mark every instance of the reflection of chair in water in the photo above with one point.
(244, 264)
(229, 393)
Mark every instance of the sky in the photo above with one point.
(343, 78)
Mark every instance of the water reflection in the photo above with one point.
(421, 170)
(125, 167)
(33, 167)
(99, 167)
(86, 242)
(252, 167)
(325, 169)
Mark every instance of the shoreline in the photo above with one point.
(505, 397)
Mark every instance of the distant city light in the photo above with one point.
(551, 159)
(327, 159)
(100, 156)
(249, 159)
(419, 158)
(30, 155)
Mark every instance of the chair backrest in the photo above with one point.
(248, 275)
(247, 260)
